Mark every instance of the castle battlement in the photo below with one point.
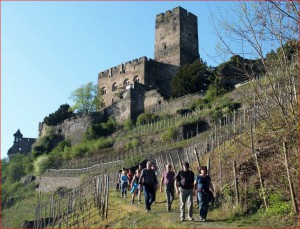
(121, 68)
(171, 13)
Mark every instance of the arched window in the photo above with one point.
(103, 91)
(136, 79)
(126, 82)
(114, 87)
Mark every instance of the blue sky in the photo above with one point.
(49, 49)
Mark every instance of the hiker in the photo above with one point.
(135, 190)
(153, 166)
(167, 179)
(202, 184)
(124, 184)
(184, 184)
(149, 181)
(119, 180)
(130, 176)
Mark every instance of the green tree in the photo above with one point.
(15, 169)
(86, 99)
(101, 129)
(190, 78)
(63, 112)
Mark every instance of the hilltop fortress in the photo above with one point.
(176, 44)
(141, 85)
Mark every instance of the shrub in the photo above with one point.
(200, 104)
(169, 134)
(41, 164)
(128, 125)
(101, 130)
(132, 144)
(277, 205)
(102, 143)
(46, 143)
(79, 150)
(146, 118)
(64, 112)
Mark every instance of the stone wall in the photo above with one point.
(51, 184)
(74, 128)
(169, 106)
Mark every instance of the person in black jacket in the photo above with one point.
(184, 184)
(149, 181)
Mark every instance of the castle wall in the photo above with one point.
(121, 76)
(169, 107)
(120, 109)
(74, 128)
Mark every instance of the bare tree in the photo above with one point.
(267, 32)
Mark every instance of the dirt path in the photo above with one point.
(123, 214)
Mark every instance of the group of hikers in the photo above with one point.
(184, 183)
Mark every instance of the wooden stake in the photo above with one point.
(294, 202)
(257, 166)
(197, 157)
(236, 184)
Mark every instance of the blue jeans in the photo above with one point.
(124, 188)
(169, 194)
(149, 193)
(203, 204)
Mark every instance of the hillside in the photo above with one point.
(230, 141)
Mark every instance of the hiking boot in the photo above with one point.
(169, 208)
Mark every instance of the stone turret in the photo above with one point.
(18, 136)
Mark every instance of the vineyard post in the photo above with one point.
(257, 166)
(172, 162)
(208, 166)
(294, 202)
(197, 157)
(236, 184)
(187, 156)
(107, 196)
(179, 161)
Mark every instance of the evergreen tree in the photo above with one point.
(190, 78)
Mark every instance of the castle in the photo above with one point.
(176, 44)
(140, 85)
(21, 145)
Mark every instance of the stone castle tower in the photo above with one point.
(176, 44)
(176, 37)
